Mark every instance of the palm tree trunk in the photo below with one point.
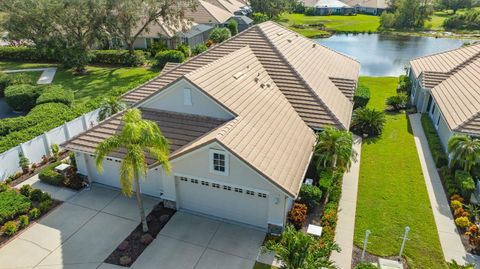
(138, 195)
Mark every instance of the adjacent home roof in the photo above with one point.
(330, 4)
(317, 81)
(241, 19)
(206, 12)
(160, 28)
(227, 5)
(381, 4)
(266, 131)
(454, 79)
(196, 30)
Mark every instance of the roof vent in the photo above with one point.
(256, 80)
(238, 75)
(268, 85)
(262, 85)
(314, 45)
(279, 34)
(289, 40)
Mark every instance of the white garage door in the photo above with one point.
(110, 175)
(223, 201)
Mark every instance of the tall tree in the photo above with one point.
(464, 150)
(298, 250)
(272, 8)
(127, 19)
(455, 5)
(139, 137)
(334, 149)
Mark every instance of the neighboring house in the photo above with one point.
(333, 7)
(207, 13)
(446, 86)
(241, 120)
(230, 6)
(244, 22)
(372, 7)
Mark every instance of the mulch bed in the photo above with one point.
(371, 258)
(5, 239)
(134, 245)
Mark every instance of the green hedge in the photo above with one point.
(465, 183)
(12, 204)
(55, 94)
(434, 143)
(50, 176)
(361, 97)
(42, 118)
(448, 181)
(172, 56)
(118, 57)
(22, 97)
(23, 54)
(13, 79)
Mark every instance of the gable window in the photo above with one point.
(433, 109)
(438, 121)
(187, 97)
(218, 162)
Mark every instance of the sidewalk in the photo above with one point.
(346, 212)
(45, 78)
(447, 232)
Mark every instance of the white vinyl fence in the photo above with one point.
(40, 145)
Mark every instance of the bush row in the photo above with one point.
(330, 211)
(434, 143)
(13, 79)
(12, 204)
(22, 97)
(118, 57)
(50, 176)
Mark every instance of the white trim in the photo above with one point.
(227, 162)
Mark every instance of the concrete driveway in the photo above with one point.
(80, 233)
(191, 241)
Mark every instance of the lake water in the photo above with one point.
(387, 55)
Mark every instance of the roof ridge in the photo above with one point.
(465, 63)
(294, 71)
(446, 51)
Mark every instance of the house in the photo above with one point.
(243, 22)
(241, 119)
(332, 7)
(446, 87)
(207, 13)
(230, 6)
(372, 7)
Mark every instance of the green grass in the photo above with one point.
(99, 81)
(337, 23)
(392, 192)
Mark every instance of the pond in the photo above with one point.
(387, 55)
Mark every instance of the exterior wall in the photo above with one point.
(332, 11)
(420, 95)
(443, 130)
(197, 164)
(369, 10)
(172, 99)
(140, 43)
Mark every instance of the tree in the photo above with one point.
(407, 14)
(455, 5)
(334, 149)
(259, 17)
(464, 150)
(109, 106)
(298, 250)
(272, 8)
(233, 27)
(128, 19)
(218, 35)
(140, 138)
(368, 121)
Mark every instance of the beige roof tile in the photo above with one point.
(383, 4)
(227, 5)
(208, 13)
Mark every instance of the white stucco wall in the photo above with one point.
(140, 43)
(443, 130)
(172, 99)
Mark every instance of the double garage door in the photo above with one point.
(223, 201)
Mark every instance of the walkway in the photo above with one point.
(45, 78)
(346, 212)
(449, 237)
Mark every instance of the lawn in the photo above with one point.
(337, 23)
(392, 192)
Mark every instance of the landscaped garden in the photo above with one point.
(392, 192)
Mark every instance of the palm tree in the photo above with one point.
(368, 121)
(334, 149)
(298, 250)
(139, 137)
(464, 150)
(110, 105)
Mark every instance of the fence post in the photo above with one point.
(85, 122)
(23, 150)
(46, 142)
(67, 131)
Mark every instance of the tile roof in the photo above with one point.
(227, 5)
(383, 4)
(180, 129)
(207, 13)
(318, 81)
(454, 80)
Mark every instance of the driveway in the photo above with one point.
(80, 233)
(189, 241)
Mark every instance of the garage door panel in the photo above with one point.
(228, 203)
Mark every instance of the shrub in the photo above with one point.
(465, 183)
(199, 49)
(10, 228)
(232, 27)
(44, 206)
(218, 35)
(50, 176)
(118, 57)
(462, 222)
(398, 101)
(173, 56)
(23, 54)
(455, 204)
(23, 221)
(185, 49)
(24, 163)
(3, 187)
(34, 213)
(469, 20)
(368, 121)
(259, 17)
(297, 215)
(310, 11)
(325, 181)
(22, 97)
(361, 97)
(387, 20)
(25, 190)
(155, 48)
(36, 195)
(55, 94)
(310, 195)
(13, 79)
(12, 204)
(365, 265)
(434, 143)
(457, 197)
(404, 84)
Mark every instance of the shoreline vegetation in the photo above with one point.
(326, 26)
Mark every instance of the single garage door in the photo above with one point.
(223, 201)
(110, 175)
